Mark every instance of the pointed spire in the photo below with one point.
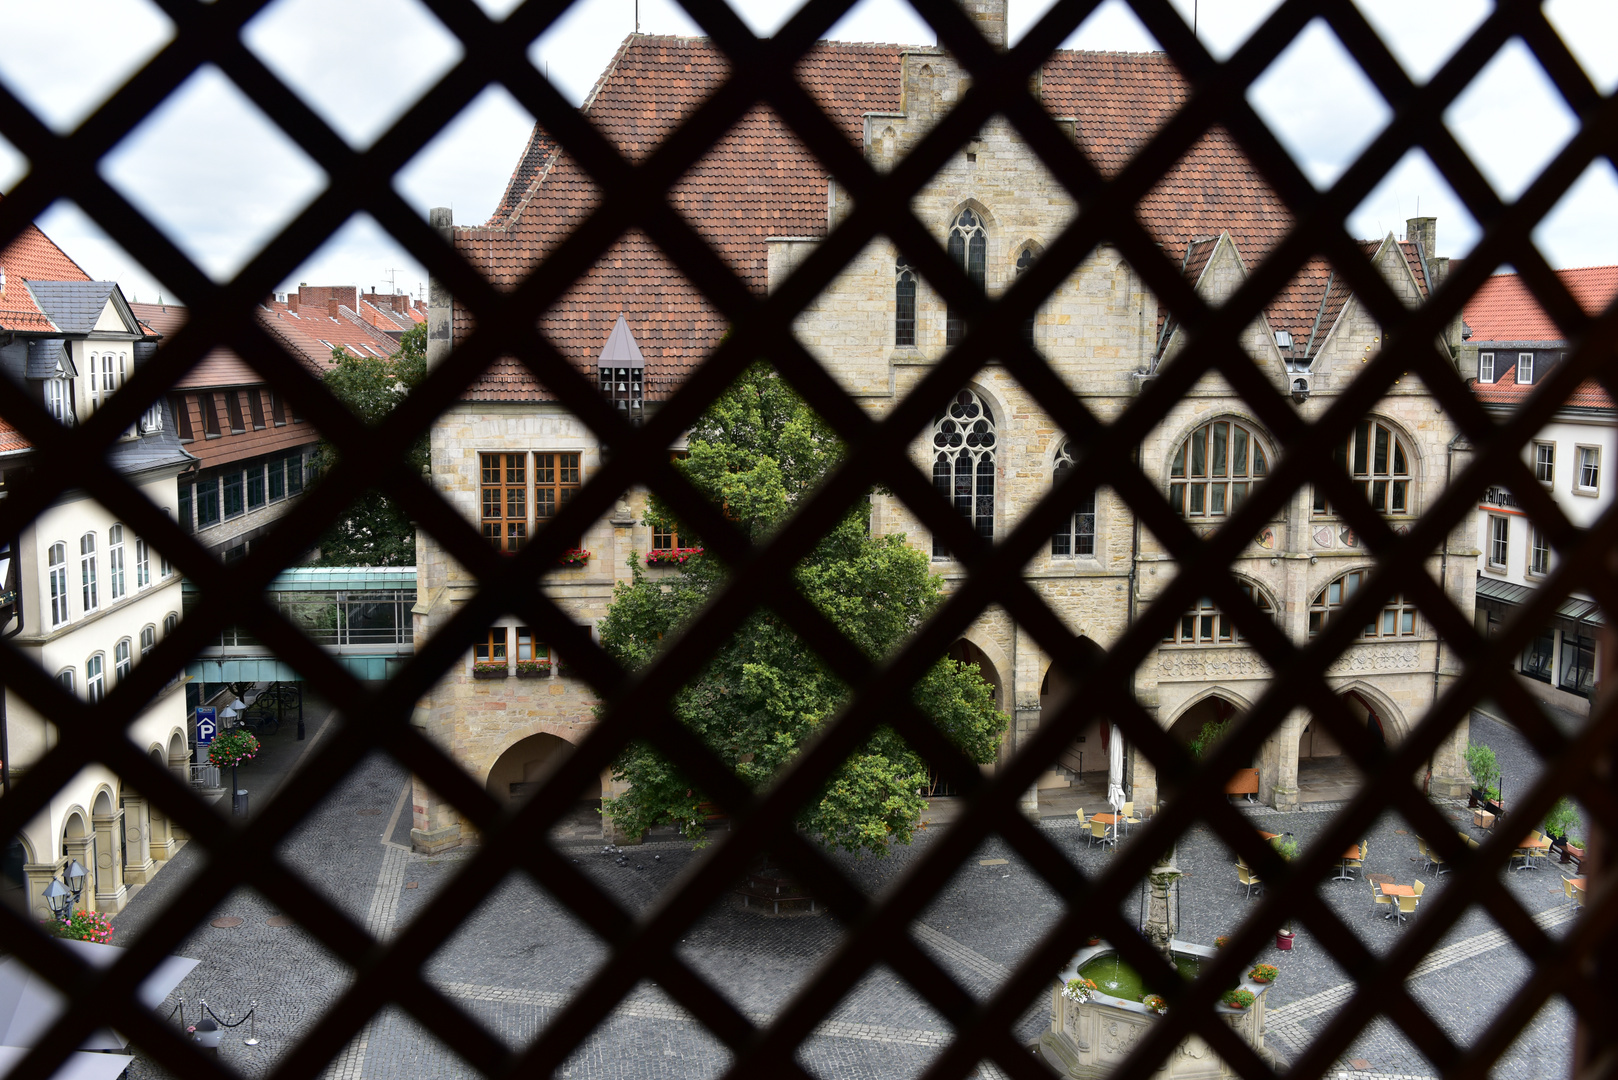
(620, 351)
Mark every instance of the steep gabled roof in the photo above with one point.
(74, 306)
(12, 440)
(1507, 391)
(1505, 310)
(31, 257)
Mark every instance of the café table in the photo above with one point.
(1529, 844)
(1352, 855)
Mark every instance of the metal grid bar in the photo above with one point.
(632, 197)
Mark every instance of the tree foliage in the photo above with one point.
(375, 531)
(757, 452)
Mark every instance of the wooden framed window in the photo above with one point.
(116, 579)
(255, 405)
(148, 640)
(491, 648)
(1205, 624)
(278, 413)
(1525, 368)
(1398, 617)
(1588, 481)
(505, 500)
(528, 648)
(233, 409)
(556, 480)
(1376, 457)
(1214, 468)
(182, 418)
(121, 659)
(1545, 463)
(1485, 367)
(1499, 540)
(58, 583)
(87, 571)
(210, 414)
(1539, 553)
(95, 681)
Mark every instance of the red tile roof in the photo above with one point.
(220, 367)
(11, 439)
(1505, 310)
(1507, 391)
(760, 181)
(31, 257)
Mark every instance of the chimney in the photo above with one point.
(440, 303)
(1423, 230)
(292, 302)
(990, 17)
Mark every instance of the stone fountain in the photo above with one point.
(1091, 1038)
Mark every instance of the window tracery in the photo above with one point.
(968, 246)
(1214, 468)
(963, 462)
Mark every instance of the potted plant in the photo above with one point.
(1079, 989)
(1491, 801)
(1485, 770)
(1573, 851)
(1156, 1003)
(573, 557)
(1238, 999)
(82, 926)
(533, 669)
(1093, 940)
(1284, 936)
(1264, 973)
(1221, 941)
(1561, 818)
(488, 669)
(1285, 846)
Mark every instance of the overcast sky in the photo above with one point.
(221, 179)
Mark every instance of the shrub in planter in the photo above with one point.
(1080, 990)
(232, 748)
(573, 557)
(1238, 999)
(489, 669)
(1156, 1003)
(1264, 973)
(1562, 817)
(82, 926)
(533, 669)
(1221, 941)
(1285, 846)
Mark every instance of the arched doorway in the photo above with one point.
(1325, 773)
(1200, 728)
(524, 766)
(13, 878)
(965, 652)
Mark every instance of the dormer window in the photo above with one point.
(59, 400)
(623, 371)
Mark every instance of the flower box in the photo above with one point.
(489, 670)
(573, 557)
(671, 556)
(1238, 999)
(533, 669)
(1264, 973)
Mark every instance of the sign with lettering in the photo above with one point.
(207, 724)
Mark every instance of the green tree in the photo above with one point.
(758, 451)
(375, 531)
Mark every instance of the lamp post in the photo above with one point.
(62, 895)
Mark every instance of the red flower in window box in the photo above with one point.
(533, 669)
(671, 556)
(488, 669)
(574, 557)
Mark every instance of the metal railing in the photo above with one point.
(635, 707)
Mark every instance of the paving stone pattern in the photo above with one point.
(515, 963)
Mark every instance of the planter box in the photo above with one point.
(499, 673)
(1483, 819)
(541, 674)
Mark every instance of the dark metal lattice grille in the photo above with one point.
(632, 196)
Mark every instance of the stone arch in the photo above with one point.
(990, 660)
(524, 764)
(991, 224)
(104, 801)
(1366, 703)
(1086, 752)
(75, 823)
(1232, 697)
(1014, 252)
(177, 747)
(1189, 424)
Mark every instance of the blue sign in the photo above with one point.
(207, 724)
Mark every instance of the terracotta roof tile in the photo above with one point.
(11, 440)
(31, 257)
(1507, 391)
(1505, 310)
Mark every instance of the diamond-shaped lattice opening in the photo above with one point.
(445, 171)
(1582, 26)
(1223, 32)
(1511, 98)
(79, 237)
(109, 42)
(648, 1026)
(396, 51)
(1320, 105)
(207, 133)
(1112, 27)
(1586, 209)
(1424, 38)
(1415, 188)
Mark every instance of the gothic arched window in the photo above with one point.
(904, 303)
(1213, 469)
(1376, 457)
(1077, 536)
(1024, 261)
(1398, 617)
(968, 246)
(963, 462)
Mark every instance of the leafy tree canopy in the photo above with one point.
(758, 451)
(375, 531)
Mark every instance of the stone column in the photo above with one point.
(181, 768)
(161, 843)
(1450, 778)
(1161, 924)
(36, 877)
(623, 539)
(111, 895)
(435, 825)
(1143, 778)
(1278, 763)
(1024, 722)
(137, 841)
(83, 848)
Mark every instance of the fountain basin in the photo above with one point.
(1091, 1039)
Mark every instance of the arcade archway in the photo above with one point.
(524, 765)
(1325, 773)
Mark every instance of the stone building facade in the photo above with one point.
(879, 328)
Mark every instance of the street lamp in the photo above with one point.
(74, 875)
(60, 899)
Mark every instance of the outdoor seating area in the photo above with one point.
(1108, 828)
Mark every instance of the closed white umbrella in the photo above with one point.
(29, 1004)
(78, 1066)
(1115, 769)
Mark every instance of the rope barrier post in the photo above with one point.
(252, 1026)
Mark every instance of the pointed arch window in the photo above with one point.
(1024, 261)
(904, 304)
(969, 247)
(963, 462)
(1077, 536)
(1213, 469)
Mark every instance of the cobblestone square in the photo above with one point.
(514, 964)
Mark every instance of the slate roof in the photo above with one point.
(74, 306)
(45, 356)
(154, 451)
(1505, 310)
(31, 257)
(760, 181)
